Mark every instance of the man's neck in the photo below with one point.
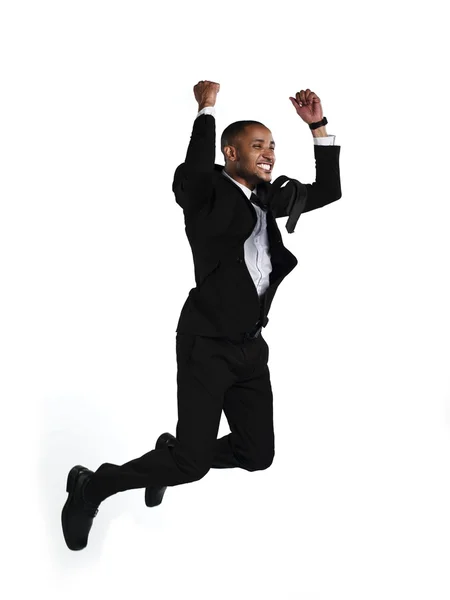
(251, 188)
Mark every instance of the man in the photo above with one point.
(222, 358)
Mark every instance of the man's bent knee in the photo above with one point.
(259, 465)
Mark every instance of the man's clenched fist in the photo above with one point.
(205, 93)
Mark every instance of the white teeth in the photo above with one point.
(265, 167)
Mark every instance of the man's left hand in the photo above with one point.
(308, 107)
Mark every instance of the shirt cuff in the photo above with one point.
(208, 110)
(324, 141)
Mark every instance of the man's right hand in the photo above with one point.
(205, 93)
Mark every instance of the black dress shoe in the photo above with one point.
(77, 514)
(154, 494)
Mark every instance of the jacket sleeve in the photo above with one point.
(327, 186)
(325, 189)
(193, 179)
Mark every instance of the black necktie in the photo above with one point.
(254, 198)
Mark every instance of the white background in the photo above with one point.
(97, 109)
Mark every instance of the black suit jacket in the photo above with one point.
(219, 218)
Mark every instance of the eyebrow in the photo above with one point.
(260, 140)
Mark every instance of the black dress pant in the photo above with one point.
(213, 374)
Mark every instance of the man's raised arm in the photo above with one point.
(192, 183)
(327, 186)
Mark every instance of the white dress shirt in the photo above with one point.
(256, 246)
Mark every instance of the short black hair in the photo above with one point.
(232, 132)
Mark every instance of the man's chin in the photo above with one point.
(265, 176)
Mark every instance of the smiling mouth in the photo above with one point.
(265, 169)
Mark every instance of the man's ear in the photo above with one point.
(230, 153)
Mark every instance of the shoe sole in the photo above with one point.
(157, 491)
(72, 478)
(70, 486)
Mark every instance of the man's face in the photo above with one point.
(254, 147)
